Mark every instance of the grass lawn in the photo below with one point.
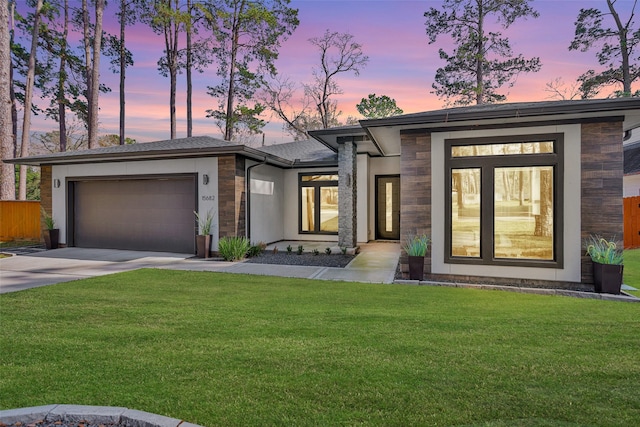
(632, 270)
(229, 350)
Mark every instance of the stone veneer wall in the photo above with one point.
(415, 190)
(231, 196)
(602, 159)
(46, 194)
(347, 195)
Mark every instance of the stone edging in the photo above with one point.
(89, 414)
(539, 291)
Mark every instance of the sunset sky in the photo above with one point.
(402, 64)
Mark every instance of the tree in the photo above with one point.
(317, 108)
(7, 176)
(558, 89)
(617, 44)
(168, 20)
(339, 53)
(93, 69)
(482, 60)
(26, 122)
(374, 107)
(126, 16)
(248, 35)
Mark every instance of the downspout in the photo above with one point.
(248, 191)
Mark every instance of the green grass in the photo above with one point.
(218, 349)
(632, 270)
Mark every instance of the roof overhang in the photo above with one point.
(333, 137)
(385, 132)
(98, 156)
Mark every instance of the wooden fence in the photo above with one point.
(632, 222)
(19, 220)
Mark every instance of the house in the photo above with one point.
(632, 168)
(507, 192)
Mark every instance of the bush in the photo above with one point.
(327, 251)
(300, 250)
(256, 249)
(289, 249)
(233, 248)
(316, 252)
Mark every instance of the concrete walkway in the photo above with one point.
(376, 263)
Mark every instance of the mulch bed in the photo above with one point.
(307, 259)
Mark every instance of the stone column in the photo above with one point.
(347, 215)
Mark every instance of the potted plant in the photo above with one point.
(203, 240)
(51, 233)
(416, 248)
(607, 260)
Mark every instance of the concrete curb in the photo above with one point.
(522, 290)
(90, 414)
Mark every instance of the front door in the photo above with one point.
(388, 207)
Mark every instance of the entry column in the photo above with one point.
(347, 172)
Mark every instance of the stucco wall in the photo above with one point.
(266, 204)
(207, 194)
(631, 185)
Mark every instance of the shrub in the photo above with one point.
(343, 249)
(233, 248)
(204, 223)
(49, 223)
(316, 252)
(300, 250)
(257, 249)
(327, 251)
(289, 249)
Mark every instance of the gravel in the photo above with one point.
(307, 259)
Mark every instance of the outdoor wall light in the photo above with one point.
(205, 179)
(56, 183)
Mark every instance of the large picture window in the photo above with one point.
(319, 203)
(504, 200)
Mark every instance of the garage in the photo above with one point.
(151, 213)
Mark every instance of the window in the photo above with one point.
(504, 197)
(319, 203)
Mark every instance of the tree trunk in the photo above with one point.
(7, 175)
(62, 119)
(228, 130)
(189, 65)
(480, 57)
(123, 67)
(624, 49)
(87, 61)
(28, 97)
(95, 76)
(544, 227)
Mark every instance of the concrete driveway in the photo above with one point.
(63, 265)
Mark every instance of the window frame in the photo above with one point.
(317, 186)
(487, 165)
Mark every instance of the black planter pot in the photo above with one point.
(51, 238)
(416, 267)
(607, 278)
(203, 246)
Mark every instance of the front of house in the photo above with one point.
(507, 192)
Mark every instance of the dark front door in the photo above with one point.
(388, 207)
(136, 214)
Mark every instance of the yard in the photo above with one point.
(218, 349)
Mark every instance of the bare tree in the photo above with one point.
(339, 53)
(558, 89)
(317, 108)
(7, 176)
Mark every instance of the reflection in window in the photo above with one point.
(465, 212)
(503, 201)
(509, 149)
(523, 213)
(388, 207)
(319, 203)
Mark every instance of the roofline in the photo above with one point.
(82, 157)
(516, 110)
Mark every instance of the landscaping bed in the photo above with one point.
(306, 258)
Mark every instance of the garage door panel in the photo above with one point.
(136, 214)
